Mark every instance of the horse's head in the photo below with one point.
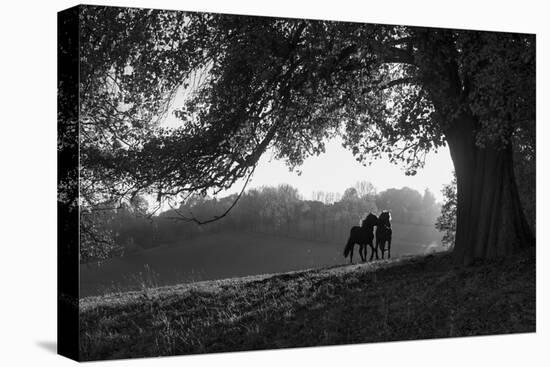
(385, 218)
(370, 221)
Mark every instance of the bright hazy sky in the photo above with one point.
(337, 169)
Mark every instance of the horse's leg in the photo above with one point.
(364, 252)
(351, 254)
(389, 247)
(372, 252)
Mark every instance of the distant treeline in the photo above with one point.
(271, 210)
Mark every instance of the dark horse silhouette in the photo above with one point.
(383, 233)
(362, 236)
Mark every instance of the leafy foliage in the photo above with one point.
(501, 69)
(446, 222)
(97, 240)
(286, 83)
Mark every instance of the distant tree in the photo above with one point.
(248, 213)
(318, 196)
(430, 208)
(365, 189)
(350, 194)
(318, 217)
(287, 202)
(428, 200)
(326, 197)
(405, 204)
(446, 222)
(139, 205)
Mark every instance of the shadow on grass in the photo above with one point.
(48, 345)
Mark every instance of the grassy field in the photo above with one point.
(229, 255)
(408, 298)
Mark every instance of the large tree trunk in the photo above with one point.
(490, 220)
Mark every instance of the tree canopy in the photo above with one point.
(253, 83)
(285, 83)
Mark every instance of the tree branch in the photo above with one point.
(405, 80)
(216, 217)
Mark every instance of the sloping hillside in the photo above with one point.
(407, 298)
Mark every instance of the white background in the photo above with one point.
(28, 183)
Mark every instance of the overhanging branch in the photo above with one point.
(193, 219)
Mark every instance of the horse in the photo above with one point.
(362, 236)
(383, 233)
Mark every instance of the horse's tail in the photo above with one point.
(348, 247)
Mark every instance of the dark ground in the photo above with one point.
(402, 299)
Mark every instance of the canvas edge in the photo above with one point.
(67, 182)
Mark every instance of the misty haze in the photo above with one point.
(271, 229)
